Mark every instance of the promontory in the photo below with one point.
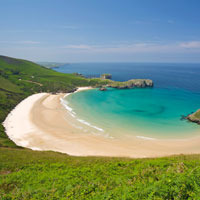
(194, 117)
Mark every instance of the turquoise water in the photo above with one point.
(145, 112)
(151, 112)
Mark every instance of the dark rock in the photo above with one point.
(102, 88)
(78, 74)
(106, 76)
(194, 117)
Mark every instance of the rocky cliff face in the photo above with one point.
(194, 117)
(106, 76)
(134, 83)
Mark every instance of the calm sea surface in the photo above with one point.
(148, 112)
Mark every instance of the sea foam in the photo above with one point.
(145, 138)
(73, 114)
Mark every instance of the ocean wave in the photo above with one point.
(65, 104)
(72, 113)
(145, 138)
(88, 124)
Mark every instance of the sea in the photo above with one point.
(149, 113)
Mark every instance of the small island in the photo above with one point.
(133, 83)
(194, 117)
(106, 76)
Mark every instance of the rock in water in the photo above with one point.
(102, 88)
(106, 76)
(138, 83)
(194, 117)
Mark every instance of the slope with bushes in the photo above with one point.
(21, 78)
(26, 174)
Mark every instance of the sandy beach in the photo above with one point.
(41, 122)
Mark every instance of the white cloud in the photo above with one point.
(190, 45)
(20, 42)
(69, 27)
(135, 51)
(80, 46)
(22, 31)
(145, 21)
(140, 47)
(27, 42)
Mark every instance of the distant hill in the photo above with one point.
(20, 71)
(51, 64)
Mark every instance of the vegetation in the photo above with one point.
(194, 117)
(21, 78)
(197, 114)
(51, 64)
(106, 76)
(131, 83)
(27, 174)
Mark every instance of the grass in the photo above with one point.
(26, 174)
(9, 86)
(21, 78)
(50, 175)
(197, 114)
(194, 117)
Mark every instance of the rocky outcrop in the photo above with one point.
(194, 117)
(134, 83)
(102, 88)
(106, 76)
(78, 74)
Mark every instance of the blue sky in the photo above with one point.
(101, 30)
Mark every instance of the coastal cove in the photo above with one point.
(100, 100)
(150, 112)
(158, 113)
(49, 126)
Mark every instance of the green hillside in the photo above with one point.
(21, 78)
(26, 75)
(26, 174)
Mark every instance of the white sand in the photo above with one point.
(18, 124)
(40, 122)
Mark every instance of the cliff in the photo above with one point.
(106, 76)
(133, 83)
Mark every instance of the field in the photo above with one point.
(27, 174)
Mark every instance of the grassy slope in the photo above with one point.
(26, 174)
(21, 78)
(197, 115)
(194, 117)
(15, 69)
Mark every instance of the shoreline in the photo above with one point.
(40, 122)
(72, 113)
